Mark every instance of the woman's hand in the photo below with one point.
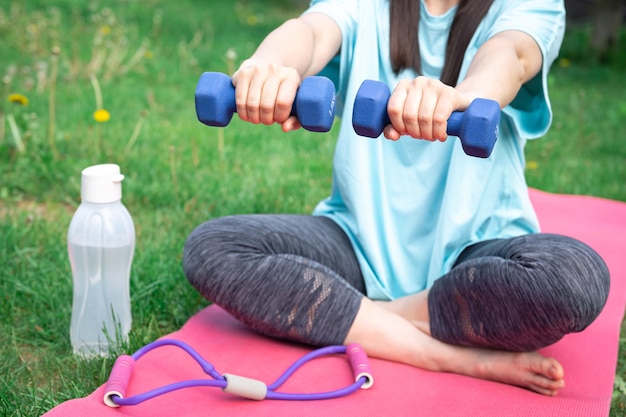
(266, 83)
(420, 108)
(265, 92)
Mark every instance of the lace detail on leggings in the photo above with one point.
(472, 331)
(319, 291)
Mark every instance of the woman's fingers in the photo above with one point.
(285, 98)
(395, 110)
(264, 93)
(420, 108)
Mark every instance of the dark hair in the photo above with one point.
(404, 16)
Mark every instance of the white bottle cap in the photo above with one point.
(101, 184)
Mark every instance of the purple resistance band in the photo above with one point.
(115, 389)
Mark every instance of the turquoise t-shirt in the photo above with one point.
(411, 206)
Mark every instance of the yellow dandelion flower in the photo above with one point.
(564, 62)
(105, 29)
(149, 54)
(20, 99)
(101, 116)
(252, 20)
(532, 165)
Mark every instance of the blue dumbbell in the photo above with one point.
(314, 105)
(477, 127)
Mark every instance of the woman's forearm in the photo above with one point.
(306, 44)
(501, 66)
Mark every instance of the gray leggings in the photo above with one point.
(296, 277)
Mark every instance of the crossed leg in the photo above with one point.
(297, 277)
(406, 337)
(503, 300)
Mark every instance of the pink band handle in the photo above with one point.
(360, 364)
(118, 379)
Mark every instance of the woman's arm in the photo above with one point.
(421, 107)
(501, 66)
(305, 44)
(266, 83)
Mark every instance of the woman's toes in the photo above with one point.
(544, 391)
(544, 382)
(547, 367)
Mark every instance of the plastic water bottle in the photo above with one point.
(101, 243)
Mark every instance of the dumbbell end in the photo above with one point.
(369, 115)
(479, 132)
(315, 104)
(215, 99)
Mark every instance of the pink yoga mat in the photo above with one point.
(589, 358)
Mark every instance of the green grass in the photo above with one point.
(180, 173)
(583, 153)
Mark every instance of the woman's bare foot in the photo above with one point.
(525, 369)
(406, 343)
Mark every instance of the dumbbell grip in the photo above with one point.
(374, 108)
(454, 123)
(215, 101)
(212, 81)
(370, 117)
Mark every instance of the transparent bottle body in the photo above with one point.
(101, 243)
